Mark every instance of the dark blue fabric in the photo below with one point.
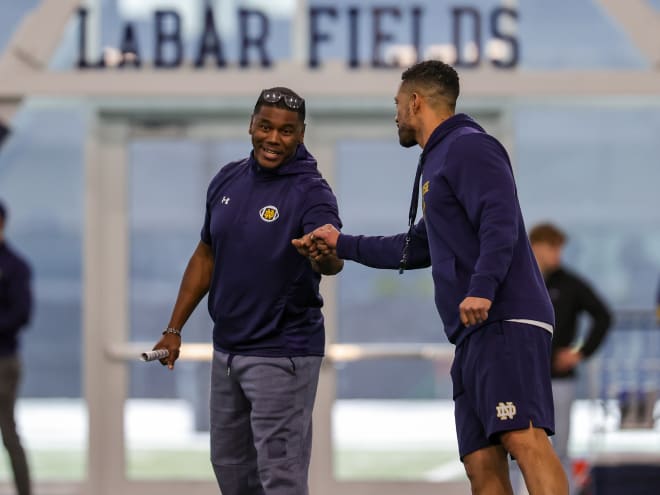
(472, 231)
(628, 479)
(501, 380)
(264, 297)
(15, 298)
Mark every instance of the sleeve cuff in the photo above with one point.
(347, 247)
(482, 286)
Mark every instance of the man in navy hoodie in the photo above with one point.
(488, 289)
(15, 311)
(268, 334)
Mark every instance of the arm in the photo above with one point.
(323, 259)
(328, 265)
(600, 319)
(482, 179)
(17, 312)
(194, 286)
(320, 208)
(378, 251)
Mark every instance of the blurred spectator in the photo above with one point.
(15, 309)
(4, 132)
(571, 297)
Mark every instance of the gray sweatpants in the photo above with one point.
(261, 423)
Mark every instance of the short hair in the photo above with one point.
(434, 75)
(547, 233)
(3, 211)
(282, 102)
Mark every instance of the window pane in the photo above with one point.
(168, 182)
(374, 184)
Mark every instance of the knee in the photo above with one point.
(11, 441)
(488, 463)
(522, 444)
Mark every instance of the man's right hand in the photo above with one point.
(326, 238)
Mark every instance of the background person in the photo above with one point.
(571, 298)
(15, 311)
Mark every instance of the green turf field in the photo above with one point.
(67, 465)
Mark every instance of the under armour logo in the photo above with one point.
(225, 200)
(506, 410)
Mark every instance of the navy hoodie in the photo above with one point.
(264, 297)
(15, 298)
(471, 233)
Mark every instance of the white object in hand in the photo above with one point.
(154, 355)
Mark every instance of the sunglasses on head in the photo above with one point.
(293, 102)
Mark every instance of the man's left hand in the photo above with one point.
(474, 310)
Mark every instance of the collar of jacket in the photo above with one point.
(452, 123)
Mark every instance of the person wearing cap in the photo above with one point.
(15, 311)
(264, 300)
(572, 297)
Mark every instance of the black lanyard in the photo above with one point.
(414, 200)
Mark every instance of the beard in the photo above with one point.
(407, 137)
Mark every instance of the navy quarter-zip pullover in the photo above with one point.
(264, 297)
(472, 232)
(15, 298)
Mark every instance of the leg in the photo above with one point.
(506, 376)
(485, 463)
(233, 456)
(10, 372)
(281, 392)
(488, 471)
(538, 461)
(517, 481)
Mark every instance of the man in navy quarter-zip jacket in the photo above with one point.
(488, 289)
(268, 334)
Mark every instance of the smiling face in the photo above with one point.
(276, 133)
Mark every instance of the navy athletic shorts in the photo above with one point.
(501, 378)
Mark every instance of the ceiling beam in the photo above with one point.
(331, 80)
(641, 22)
(38, 35)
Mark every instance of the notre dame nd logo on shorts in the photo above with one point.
(506, 410)
(269, 213)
